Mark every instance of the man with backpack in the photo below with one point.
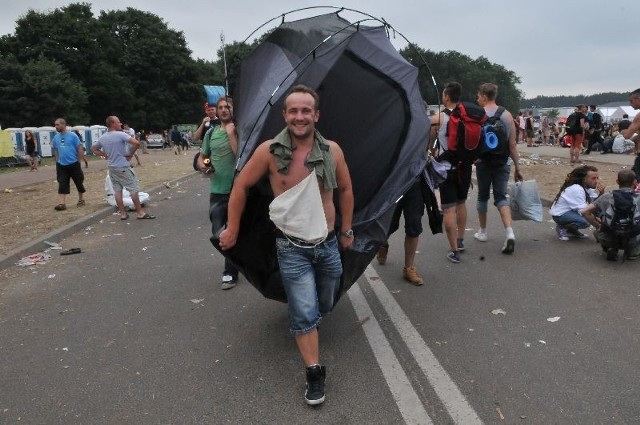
(493, 168)
(574, 127)
(619, 216)
(459, 139)
(595, 128)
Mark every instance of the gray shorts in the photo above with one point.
(124, 177)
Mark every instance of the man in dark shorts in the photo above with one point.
(68, 151)
(454, 190)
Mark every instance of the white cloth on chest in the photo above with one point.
(299, 213)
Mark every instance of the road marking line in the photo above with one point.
(408, 402)
(448, 392)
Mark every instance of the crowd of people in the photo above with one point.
(305, 171)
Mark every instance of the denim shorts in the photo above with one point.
(311, 280)
(492, 177)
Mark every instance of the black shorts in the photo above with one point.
(412, 207)
(64, 173)
(455, 188)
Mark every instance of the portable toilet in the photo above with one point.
(17, 138)
(45, 137)
(85, 134)
(96, 131)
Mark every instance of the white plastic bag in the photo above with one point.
(126, 196)
(524, 201)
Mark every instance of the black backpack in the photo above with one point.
(622, 220)
(572, 125)
(495, 133)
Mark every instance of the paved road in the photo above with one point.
(135, 330)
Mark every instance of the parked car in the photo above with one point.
(155, 141)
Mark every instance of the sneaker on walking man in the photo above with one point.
(493, 168)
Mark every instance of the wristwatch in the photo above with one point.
(347, 233)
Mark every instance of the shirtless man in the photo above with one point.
(310, 267)
(634, 101)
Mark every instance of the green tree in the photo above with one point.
(455, 66)
(37, 93)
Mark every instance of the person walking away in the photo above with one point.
(219, 147)
(68, 152)
(118, 148)
(580, 188)
(307, 248)
(411, 206)
(576, 132)
(176, 139)
(529, 130)
(595, 128)
(493, 168)
(455, 189)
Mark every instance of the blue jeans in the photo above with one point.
(488, 177)
(311, 279)
(571, 219)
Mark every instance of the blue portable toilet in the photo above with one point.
(45, 138)
(85, 134)
(17, 138)
(96, 131)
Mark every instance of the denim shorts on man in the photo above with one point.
(492, 177)
(311, 280)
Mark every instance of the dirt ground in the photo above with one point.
(27, 213)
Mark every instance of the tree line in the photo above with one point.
(69, 63)
(564, 101)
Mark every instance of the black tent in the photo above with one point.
(370, 104)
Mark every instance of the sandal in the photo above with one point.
(60, 207)
(146, 216)
(124, 217)
(81, 203)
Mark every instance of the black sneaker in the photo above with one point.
(314, 393)
(453, 256)
(612, 254)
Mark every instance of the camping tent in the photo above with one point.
(370, 104)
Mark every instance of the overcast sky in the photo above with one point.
(566, 47)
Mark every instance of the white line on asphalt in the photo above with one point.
(452, 398)
(408, 402)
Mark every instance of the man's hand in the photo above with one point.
(600, 188)
(206, 120)
(517, 176)
(345, 242)
(227, 240)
